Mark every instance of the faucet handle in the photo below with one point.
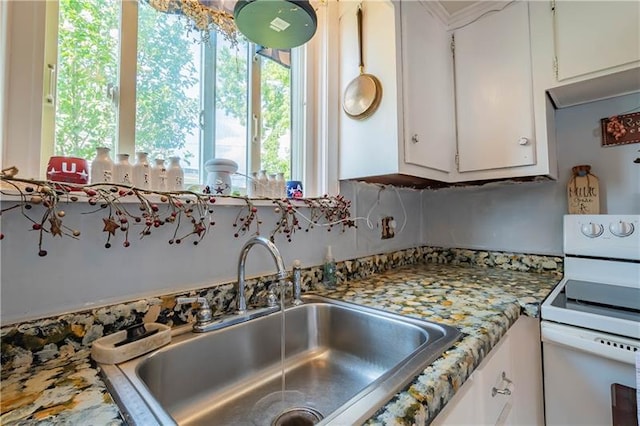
(204, 313)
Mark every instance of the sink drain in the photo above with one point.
(299, 416)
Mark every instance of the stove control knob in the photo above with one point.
(592, 230)
(621, 229)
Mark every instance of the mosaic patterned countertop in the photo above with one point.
(481, 302)
(64, 387)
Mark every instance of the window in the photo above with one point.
(170, 95)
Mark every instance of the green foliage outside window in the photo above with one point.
(166, 109)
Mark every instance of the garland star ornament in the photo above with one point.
(110, 226)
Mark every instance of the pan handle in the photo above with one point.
(359, 18)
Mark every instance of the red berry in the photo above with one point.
(42, 253)
(126, 244)
(36, 226)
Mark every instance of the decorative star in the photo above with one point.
(110, 226)
(55, 226)
(83, 174)
(199, 228)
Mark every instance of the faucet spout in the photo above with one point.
(275, 253)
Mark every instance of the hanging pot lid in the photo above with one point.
(281, 24)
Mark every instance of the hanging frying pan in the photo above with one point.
(362, 95)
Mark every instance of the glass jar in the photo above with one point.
(281, 186)
(102, 166)
(273, 189)
(252, 185)
(262, 187)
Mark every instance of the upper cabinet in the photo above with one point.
(595, 37)
(427, 88)
(587, 50)
(494, 92)
(412, 133)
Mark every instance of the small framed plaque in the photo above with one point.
(621, 129)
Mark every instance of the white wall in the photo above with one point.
(527, 217)
(78, 274)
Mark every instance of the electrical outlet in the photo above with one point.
(388, 227)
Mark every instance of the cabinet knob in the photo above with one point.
(523, 141)
(414, 138)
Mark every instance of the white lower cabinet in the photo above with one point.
(506, 388)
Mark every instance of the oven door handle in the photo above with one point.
(601, 344)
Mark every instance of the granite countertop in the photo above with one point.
(482, 302)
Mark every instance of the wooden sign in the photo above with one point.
(583, 191)
(621, 129)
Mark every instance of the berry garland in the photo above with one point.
(190, 213)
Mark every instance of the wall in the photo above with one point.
(78, 274)
(527, 217)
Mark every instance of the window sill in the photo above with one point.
(16, 190)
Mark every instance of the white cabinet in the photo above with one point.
(506, 388)
(412, 133)
(494, 92)
(592, 37)
(482, 107)
(586, 50)
(369, 147)
(427, 92)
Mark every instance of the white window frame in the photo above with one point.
(24, 70)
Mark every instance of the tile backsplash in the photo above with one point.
(33, 342)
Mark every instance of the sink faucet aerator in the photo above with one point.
(273, 250)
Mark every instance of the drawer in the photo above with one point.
(494, 377)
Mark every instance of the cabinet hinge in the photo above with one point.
(555, 66)
(457, 160)
(553, 6)
(453, 45)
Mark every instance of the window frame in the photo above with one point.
(125, 95)
(23, 94)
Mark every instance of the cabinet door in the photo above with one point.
(494, 99)
(429, 123)
(591, 36)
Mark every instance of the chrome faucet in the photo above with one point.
(273, 250)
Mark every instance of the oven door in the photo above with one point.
(580, 368)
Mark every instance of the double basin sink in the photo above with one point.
(338, 363)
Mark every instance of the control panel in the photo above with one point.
(608, 236)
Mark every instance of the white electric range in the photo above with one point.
(590, 325)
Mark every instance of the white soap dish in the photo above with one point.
(111, 350)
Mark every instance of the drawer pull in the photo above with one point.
(505, 391)
(495, 391)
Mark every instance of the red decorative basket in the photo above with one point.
(68, 169)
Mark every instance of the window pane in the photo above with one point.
(276, 118)
(167, 91)
(87, 65)
(231, 106)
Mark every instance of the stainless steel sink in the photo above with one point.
(342, 362)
